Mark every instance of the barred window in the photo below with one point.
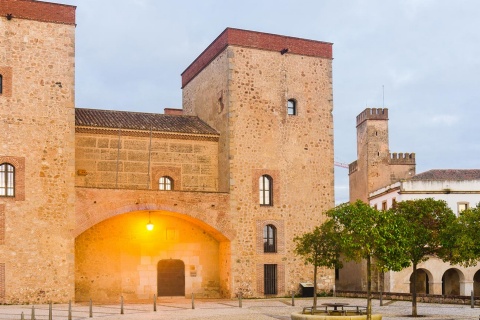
(269, 238)
(165, 183)
(7, 180)
(265, 188)
(270, 278)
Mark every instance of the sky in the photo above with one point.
(418, 58)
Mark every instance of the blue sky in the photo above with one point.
(419, 58)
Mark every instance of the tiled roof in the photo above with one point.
(141, 121)
(448, 174)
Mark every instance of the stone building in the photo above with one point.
(223, 184)
(381, 178)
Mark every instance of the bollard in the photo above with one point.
(334, 293)
(121, 305)
(381, 299)
(193, 302)
(90, 310)
(33, 313)
(155, 302)
(293, 298)
(50, 311)
(69, 309)
(472, 301)
(240, 299)
(22, 317)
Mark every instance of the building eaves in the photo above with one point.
(448, 174)
(114, 119)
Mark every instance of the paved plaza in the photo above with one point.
(258, 309)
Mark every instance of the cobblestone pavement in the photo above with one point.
(258, 309)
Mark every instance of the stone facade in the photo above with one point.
(88, 181)
(37, 58)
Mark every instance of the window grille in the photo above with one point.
(270, 278)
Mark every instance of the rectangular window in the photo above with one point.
(462, 206)
(384, 205)
(270, 278)
(394, 202)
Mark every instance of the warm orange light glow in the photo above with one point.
(149, 226)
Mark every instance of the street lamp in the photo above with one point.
(149, 224)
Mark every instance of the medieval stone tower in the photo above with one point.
(270, 97)
(37, 195)
(375, 166)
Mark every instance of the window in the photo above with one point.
(165, 183)
(265, 188)
(462, 206)
(384, 205)
(394, 202)
(7, 180)
(270, 238)
(270, 279)
(291, 107)
(1, 84)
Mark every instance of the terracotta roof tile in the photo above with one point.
(141, 121)
(448, 174)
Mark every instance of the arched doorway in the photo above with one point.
(476, 284)
(451, 282)
(170, 278)
(423, 284)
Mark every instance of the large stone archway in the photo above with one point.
(424, 281)
(451, 282)
(476, 284)
(115, 254)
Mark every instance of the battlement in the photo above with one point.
(38, 11)
(402, 158)
(372, 114)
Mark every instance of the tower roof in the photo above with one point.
(38, 11)
(256, 40)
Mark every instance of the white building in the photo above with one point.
(461, 190)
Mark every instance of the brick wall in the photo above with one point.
(37, 10)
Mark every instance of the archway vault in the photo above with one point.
(116, 255)
(207, 210)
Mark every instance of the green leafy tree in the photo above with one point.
(371, 235)
(427, 221)
(319, 248)
(460, 240)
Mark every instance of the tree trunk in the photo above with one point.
(414, 291)
(369, 288)
(315, 287)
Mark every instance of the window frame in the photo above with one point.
(270, 238)
(7, 180)
(292, 107)
(166, 182)
(265, 190)
(270, 279)
(462, 203)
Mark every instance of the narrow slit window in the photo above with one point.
(165, 183)
(292, 107)
(1, 84)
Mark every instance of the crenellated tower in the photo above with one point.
(375, 166)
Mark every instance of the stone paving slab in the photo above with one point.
(252, 309)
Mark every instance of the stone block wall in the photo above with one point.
(37, 55)
(250, 86)
(128, 161)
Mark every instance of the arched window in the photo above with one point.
(165, 183)
(7, 180)
(265, 186)
(269, 238)
(292, 107)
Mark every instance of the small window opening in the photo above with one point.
(7, 180)
(291, 107)
(165, 183)
(269, 238)
(1, 84)
(265, 187)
